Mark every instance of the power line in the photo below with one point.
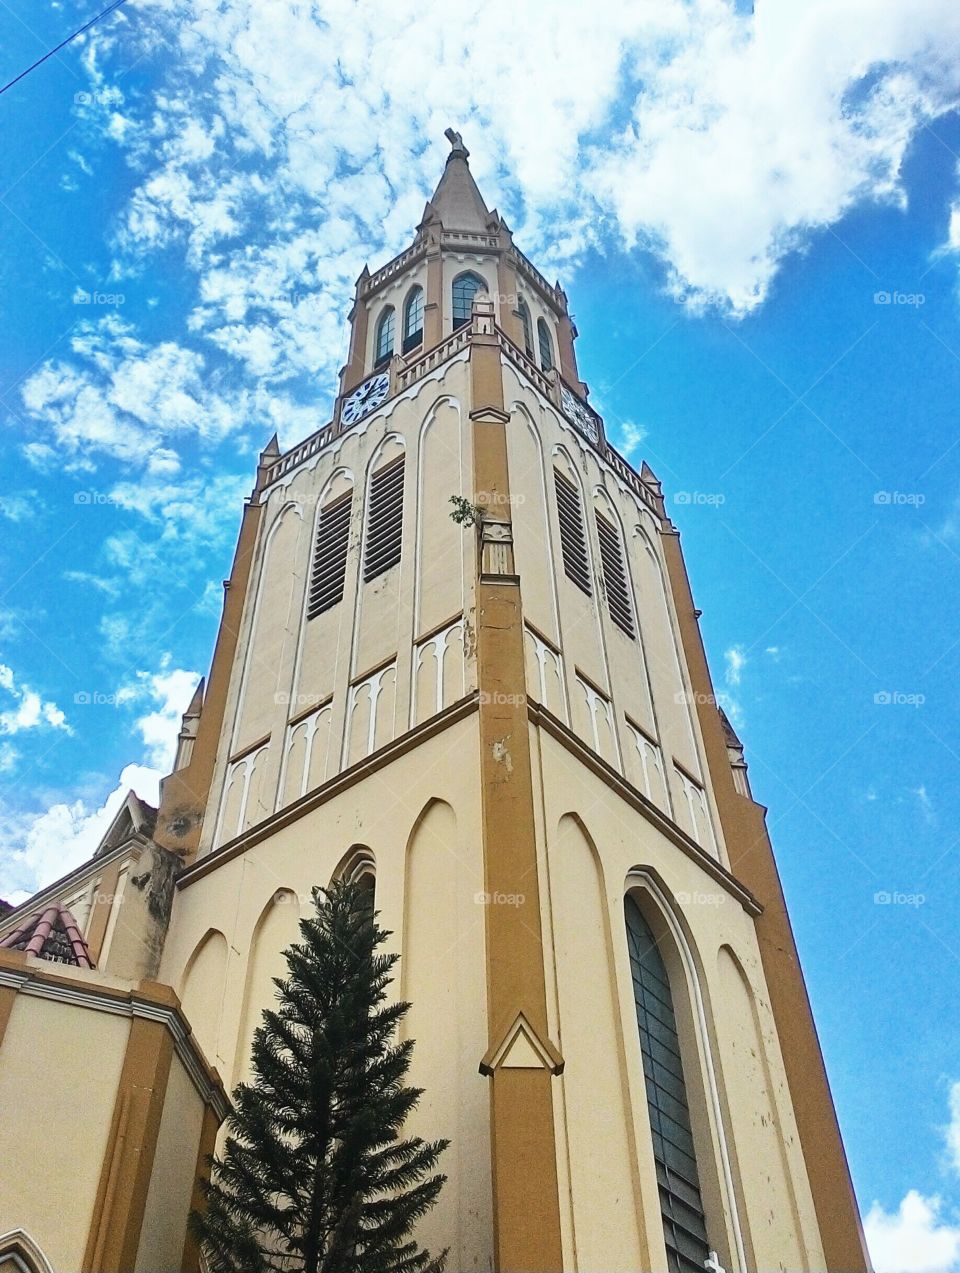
(63, 43)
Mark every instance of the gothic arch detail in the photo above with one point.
(20, 1254)
(684, 974)
(357, 866)
(277, 926)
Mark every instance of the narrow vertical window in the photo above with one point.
(413, 320)
(681, 1207)
(573, 541)
(384, 520)
(614, 575)
(524, 314)
(385, 335)
(329, 570)
(546, 345)
(465, 288)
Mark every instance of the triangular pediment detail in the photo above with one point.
(490, 415)
(521, 1048)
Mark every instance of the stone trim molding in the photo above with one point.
(150, 1001)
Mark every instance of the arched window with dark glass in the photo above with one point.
(385, 337)
(413, 320)
(681, 1206)
(524, 315)
(546, 345)
(465, 288)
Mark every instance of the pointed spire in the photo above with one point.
(196, 703)
(457, 203)
(271, 450)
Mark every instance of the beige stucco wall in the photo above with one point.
(642, 680)
(59, 1068)
(753, 1175)
(419, 817)
(172, 1178)
(287, 665)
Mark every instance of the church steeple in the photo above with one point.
(407, 307)
(457, 203)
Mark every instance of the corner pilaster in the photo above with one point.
(520, 1060)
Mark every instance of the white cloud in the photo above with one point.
(29, 710)
(736, 660)
(914, 1238)
(126, 399)
(168, 692)
(631, 436)
(722, 139)
(36, 849)
(926, 804)
(18, 506)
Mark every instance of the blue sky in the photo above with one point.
(757, 218)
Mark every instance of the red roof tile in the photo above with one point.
(50, 934)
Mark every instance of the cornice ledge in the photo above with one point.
(457, 711)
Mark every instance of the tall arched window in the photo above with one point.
(681, 1207)
(546, 345)
(465, 288)
(524, 315)
(413, 320)
(385, 335)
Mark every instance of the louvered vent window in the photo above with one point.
(384, 520)
(681, 1207)
(330, 556)
(573, 542)
(615, 575)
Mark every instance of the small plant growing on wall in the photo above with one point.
(464, 513)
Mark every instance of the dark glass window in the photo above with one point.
(546, 345)
(681, 1207)
(465, 288)
(385, 334)
(413, 320)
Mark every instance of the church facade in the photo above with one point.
(459, 658)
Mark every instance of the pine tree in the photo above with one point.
(314, 1176)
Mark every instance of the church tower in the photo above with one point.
(459, 659)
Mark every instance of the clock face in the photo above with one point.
(580, 415)
(365, 398)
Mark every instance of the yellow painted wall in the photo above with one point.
(172, 1178)
(59, 1068)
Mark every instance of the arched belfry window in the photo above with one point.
(413, 320)
(524, 315)
(465, 288)
(385, 337)
(681, 1206)
(546, 345)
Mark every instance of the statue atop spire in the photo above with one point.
(457, 148)
(457, 204)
